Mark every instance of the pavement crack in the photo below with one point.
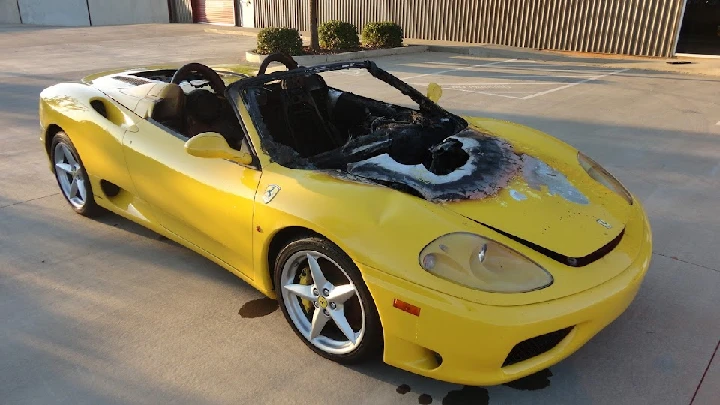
(32, 199)
(687, 262)
(705, 372)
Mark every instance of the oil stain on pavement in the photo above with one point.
(425, 399)
(467, 396)
(258, 308)
(533, 382)
(403, 389)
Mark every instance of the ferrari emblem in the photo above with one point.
(270, 193)
(603, 223)
(322, 301)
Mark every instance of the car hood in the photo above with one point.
(551, 204)
(539, 217)
(519, 182)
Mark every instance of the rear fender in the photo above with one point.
(95, 124)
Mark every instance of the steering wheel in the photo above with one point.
(286, 60)
(214, 79)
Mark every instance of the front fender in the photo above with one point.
(374, 225)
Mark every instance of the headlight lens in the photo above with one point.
(603, 177)
(482, 264)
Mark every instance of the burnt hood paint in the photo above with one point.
(556, 212)
(489, 165)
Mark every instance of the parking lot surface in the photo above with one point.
(104, 311)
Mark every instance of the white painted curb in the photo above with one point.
(309, 60)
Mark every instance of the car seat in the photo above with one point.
(169, 109)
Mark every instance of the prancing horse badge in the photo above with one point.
(270, 193)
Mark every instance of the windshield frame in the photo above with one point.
(242, 94)
(424, 103)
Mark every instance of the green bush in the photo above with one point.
(285, 40)
(382, 35)
(337, 35)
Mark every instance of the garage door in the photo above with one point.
(214, 11)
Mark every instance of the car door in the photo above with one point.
(207, 202)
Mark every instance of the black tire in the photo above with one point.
(371, 343)
(89, 208)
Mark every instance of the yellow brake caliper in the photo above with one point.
(306, 279)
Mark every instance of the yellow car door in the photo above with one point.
(206, 201)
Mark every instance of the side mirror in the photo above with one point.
(214, 145)
(434, 92)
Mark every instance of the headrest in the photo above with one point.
(170, 100)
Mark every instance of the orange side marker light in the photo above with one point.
(404, 306)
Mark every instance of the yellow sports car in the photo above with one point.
(469, 250)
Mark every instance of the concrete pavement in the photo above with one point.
(106, 312)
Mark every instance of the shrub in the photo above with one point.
(382, 35)
(338, 35)
(285, 40)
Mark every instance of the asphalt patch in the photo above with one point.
(467, 396)
(258, 308)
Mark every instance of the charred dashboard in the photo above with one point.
(428, 152)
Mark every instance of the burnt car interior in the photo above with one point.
(305, 123)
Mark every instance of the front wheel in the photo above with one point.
(326, 302)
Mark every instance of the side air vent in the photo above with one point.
(109, 189)
(108, 109)
(99, 106)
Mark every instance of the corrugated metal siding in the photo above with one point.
(181, 11)
(283, 13)
(635, 27)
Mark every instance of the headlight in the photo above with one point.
(603, 177)
(482, 264)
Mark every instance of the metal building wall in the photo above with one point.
(634, 27)
(181, 11)
(285, 13)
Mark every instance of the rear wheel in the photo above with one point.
(71, 176)
(326, 302)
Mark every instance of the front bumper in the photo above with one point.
(463, 342)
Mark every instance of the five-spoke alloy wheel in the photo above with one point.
(326, 301)
(71, 176)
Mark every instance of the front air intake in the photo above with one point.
(536, 346)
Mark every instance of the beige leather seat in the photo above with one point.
(169, 109)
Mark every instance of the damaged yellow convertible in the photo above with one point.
(469, 250)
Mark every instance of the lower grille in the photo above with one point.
(536, 346)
